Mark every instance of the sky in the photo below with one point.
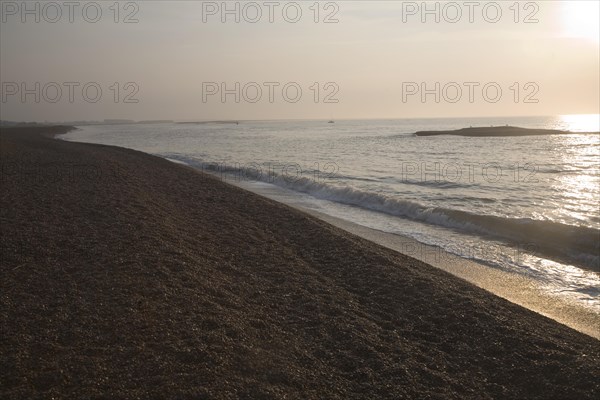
(192, 60)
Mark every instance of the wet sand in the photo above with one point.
(126, 275)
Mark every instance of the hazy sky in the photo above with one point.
(378, 56)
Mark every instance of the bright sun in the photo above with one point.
(581, 19)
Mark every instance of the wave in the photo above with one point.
(574, 244)
(438, 184)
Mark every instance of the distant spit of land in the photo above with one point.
(498, 131)
(24, 124)
(208, 122)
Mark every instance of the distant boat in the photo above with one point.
(331, 122)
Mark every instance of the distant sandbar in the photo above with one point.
(497, 131)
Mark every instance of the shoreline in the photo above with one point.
(166, 281)
(517, 289)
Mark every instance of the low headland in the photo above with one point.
(498, 131)
(125, 275)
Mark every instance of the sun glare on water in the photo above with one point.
(581, 19)
(580, 123)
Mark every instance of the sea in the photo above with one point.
(526, 205)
